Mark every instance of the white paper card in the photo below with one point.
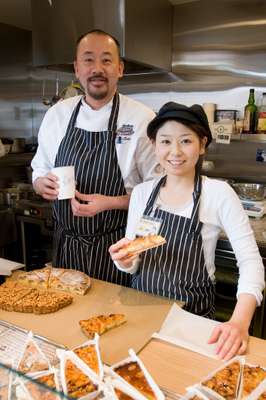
(7, 266)
(188, 330)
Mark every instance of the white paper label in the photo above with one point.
(224, 138)
(148, 226)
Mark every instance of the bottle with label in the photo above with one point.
(261, 128)
(250, 114)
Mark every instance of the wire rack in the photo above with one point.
(12, 339)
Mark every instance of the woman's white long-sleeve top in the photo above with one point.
(220, 209)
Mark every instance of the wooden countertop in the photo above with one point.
(176, 368)
(144, 312)
(172, 367)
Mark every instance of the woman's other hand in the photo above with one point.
(231, 338)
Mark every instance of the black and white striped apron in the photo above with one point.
(82, 242)
(177, 269)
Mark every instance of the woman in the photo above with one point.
(189, 211)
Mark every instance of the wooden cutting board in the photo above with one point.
(145, 314)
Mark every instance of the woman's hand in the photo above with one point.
(120, 255)
(231, 338)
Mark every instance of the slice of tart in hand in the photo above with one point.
(143, 243)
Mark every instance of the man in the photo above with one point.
(102, 134)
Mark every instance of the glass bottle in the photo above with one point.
(250, 114)
(261, 128)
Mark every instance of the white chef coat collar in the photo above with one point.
(106, 107)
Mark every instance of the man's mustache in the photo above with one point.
(97, 77)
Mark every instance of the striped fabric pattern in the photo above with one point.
(82, 242)
(177, 269)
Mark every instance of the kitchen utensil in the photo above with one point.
(56, 97)
(250, 191)
(45, 100)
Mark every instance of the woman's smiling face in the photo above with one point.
(178, 148)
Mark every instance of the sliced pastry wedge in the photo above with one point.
(101, 324)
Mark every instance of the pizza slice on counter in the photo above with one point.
(225, 381)
(101, 324)
(143, 243)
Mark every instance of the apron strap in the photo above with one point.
(154, 195)
(112, 125)
(194, 220)
(74, 115)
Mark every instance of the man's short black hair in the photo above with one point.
(100, 32)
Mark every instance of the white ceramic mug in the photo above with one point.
(66, 176)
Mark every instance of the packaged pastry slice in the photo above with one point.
(115, 389)
(32, 359)
(259, 393)
(252, 377)
(224, 382)
(133, 373)
(43, 386)
(89, 354)
(5, 378)
(194, 393)
(75, 379)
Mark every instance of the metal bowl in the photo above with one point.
(250, 191)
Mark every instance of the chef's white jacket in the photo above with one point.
(134, 151)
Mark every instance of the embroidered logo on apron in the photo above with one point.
(123, 134)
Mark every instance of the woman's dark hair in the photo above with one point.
(198, 129)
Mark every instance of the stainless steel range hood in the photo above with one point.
(143, 28)
(220, 43)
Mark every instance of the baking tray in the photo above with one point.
(12, 339)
